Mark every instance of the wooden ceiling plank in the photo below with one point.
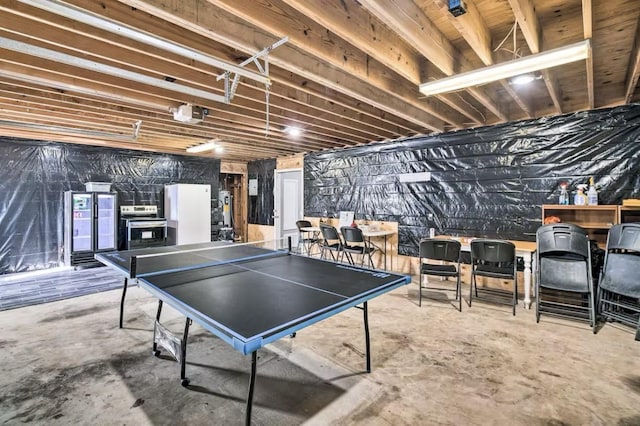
(358, 109)
(351, 22)
(587, 25)
(247, 38)
(410, 22)
(209, 125)
(205, 129)
(95, 80)
(136, 60)
(633, 70)
(356, 135)
(551, 81)
(474, 30)
(525, 14)
(345, 19)
(336, 121)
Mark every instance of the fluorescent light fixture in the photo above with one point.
(218, 149)
(551, 58)
(52, 55)
(523, 79)
(89, 18)
(293, 131)
(207, 146)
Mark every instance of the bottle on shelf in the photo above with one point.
(580, 199)
(563, 199)
(592, 194)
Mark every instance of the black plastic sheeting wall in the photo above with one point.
(35, 174)
(261, 205)
(485, 182)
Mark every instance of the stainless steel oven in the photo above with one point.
(142, 227)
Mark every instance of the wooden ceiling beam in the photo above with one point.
(587, 25)
(633, 70)
(221, 124)
(525, 14)
(351, 22)
(474, 30)
(191, 77)
(151, 127)
(90, 35)
(227, 28)
(95, 81)
(410, 22)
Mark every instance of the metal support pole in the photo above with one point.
(183, 354)
(156, 352)
(252, 383)
(366, 336)
(124, 293)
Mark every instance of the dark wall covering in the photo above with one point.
(489, 181)
(261, 205)
(35, 174)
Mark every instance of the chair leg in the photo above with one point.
(514, 303)
(592, 312)
(473, 281)
(459, 293)
(420, 290)
(537, 302)
(349, 257)
(371, 260)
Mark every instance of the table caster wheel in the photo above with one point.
(292, 335)
(156, 353)
(184, 382)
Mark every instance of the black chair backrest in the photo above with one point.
(303, 224)
(621, 270)
(329, 233)
(555, 240)
(440, 249)
(566, 227)
(625, 236)
(497, 251)
(352, 235)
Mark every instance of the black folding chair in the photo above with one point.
(306, 239)
(440, 250)
(494, 259)
(354, 243)
(331, 243)
(564, 272)
(619, 285)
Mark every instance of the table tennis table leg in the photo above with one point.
(183, 354)
(252, 383)
(124, 293)
(156, 352)
(366, 335)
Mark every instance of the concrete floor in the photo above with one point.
(67, 362)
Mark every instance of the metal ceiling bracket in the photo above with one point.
(230, 89)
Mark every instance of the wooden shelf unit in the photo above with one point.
(627, 214)
(596, 220)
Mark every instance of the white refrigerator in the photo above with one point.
(187, 208)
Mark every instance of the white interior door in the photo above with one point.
(288, 206)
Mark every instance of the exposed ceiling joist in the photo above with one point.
(525, 14)
(633, 71)
(587, 23)
(348, 75)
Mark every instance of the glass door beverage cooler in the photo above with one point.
(90, 226)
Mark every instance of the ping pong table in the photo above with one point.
(247, 295)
